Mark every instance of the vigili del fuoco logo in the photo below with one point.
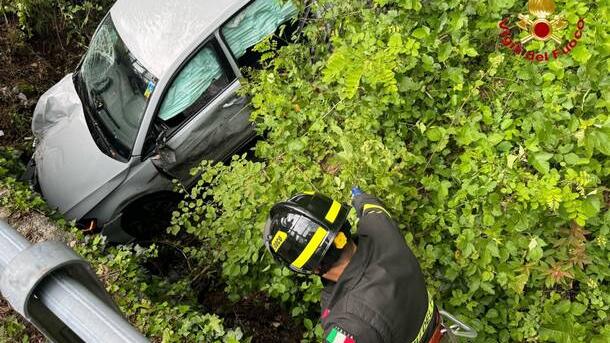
(543, 26)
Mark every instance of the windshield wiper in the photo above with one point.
(103, 138)
(100, 106)
(82, 89)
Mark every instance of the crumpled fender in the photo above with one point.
(59, 102)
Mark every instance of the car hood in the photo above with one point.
(74, 175)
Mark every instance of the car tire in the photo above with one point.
(148, 218)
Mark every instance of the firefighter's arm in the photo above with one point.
(366, 203)
(375, 220)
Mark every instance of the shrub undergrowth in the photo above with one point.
(59, 21)
(164, 311)
(495, 168)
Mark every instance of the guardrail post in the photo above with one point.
(58, 292)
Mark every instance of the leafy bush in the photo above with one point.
(16, 196)
(12, 330)
(63, 19)
(495, 168)
(162, 310)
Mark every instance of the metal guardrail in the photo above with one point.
(58, 292)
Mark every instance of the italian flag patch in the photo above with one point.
(337, 335)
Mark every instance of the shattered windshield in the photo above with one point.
(115, 87)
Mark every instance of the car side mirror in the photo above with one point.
(161, 139)
(164, 156)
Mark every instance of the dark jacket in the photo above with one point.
(381, 295)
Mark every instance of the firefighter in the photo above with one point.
(374, 290)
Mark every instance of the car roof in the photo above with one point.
(158, 32)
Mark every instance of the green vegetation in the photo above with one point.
(56, 19)
(163, 310)
(495, 168)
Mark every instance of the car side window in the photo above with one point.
(200, 80)
(250, 26)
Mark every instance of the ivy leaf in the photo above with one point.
(581, 54)
(600, 140)
(540, 160)
(435, 134)
(421, 33)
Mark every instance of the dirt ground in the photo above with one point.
(261, 319)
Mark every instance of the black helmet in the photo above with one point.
(307, 232)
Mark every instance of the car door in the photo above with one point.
(201, 114)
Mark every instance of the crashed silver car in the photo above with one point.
(155, 94)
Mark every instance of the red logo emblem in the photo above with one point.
(541, 25)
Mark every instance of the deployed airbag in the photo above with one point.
(255, 23)
(191, 83)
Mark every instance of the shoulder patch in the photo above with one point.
(338, 335)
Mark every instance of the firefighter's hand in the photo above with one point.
(359, 199)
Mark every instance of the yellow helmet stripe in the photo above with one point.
(333, 212)
(311, 248)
